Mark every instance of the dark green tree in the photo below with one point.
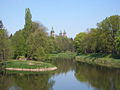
(28, 23)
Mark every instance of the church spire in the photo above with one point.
(52, 33)
(60, 34)
(1, 24)
(64, 33)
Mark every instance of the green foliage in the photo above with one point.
(103, 39)
(33, 42)
(5, 45)
(37, 42)
(61, 44)
(28, 23)
(66, 55)
(117, 41)
(99, 59)
(21, 58)
(78, 41)
(39, 54)
(19, 44)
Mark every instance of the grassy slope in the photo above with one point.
(27, 64)
(66, 55)
(99, 59)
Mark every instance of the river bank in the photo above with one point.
(100, 60)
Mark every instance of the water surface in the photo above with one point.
(69, 76)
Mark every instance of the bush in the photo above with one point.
(21, 58)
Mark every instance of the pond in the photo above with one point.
(69, 76)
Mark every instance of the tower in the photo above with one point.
(1, 24)
(64, 33)
(60, 34)
(52, 33)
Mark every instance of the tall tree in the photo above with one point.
(37, 42)
(20, 38)
(28, 23)
(28, 19)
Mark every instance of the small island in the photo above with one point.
(29, 65)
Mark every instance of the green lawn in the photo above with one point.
(27, 64)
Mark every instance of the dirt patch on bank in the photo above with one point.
(33, 70)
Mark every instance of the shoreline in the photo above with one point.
(33, 70)
(106, 62)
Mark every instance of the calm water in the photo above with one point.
(69, 76)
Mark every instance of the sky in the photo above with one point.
(73, 16)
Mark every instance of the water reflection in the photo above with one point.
(25, 82)
(100, 78)
(39, 81)
(64, 77)
(68, 76)
(64, 66)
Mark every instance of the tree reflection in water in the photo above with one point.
(98, 77)
(41, 81)
(26, 82)
(64, 65)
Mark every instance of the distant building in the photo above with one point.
(64, 33)
(1, 24)
(60, 34)
(52, 33)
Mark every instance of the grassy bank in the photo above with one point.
(99, 59)
(65, 55)
(27, 64)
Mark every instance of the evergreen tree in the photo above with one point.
(28, 23)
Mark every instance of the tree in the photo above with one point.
(63, 44)
(27, 30)
(28, 22)
(5, 45)
(33, 41)
(37, 42)
(19, 44)
(103, 39)
(79, 42)
(111, 26)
